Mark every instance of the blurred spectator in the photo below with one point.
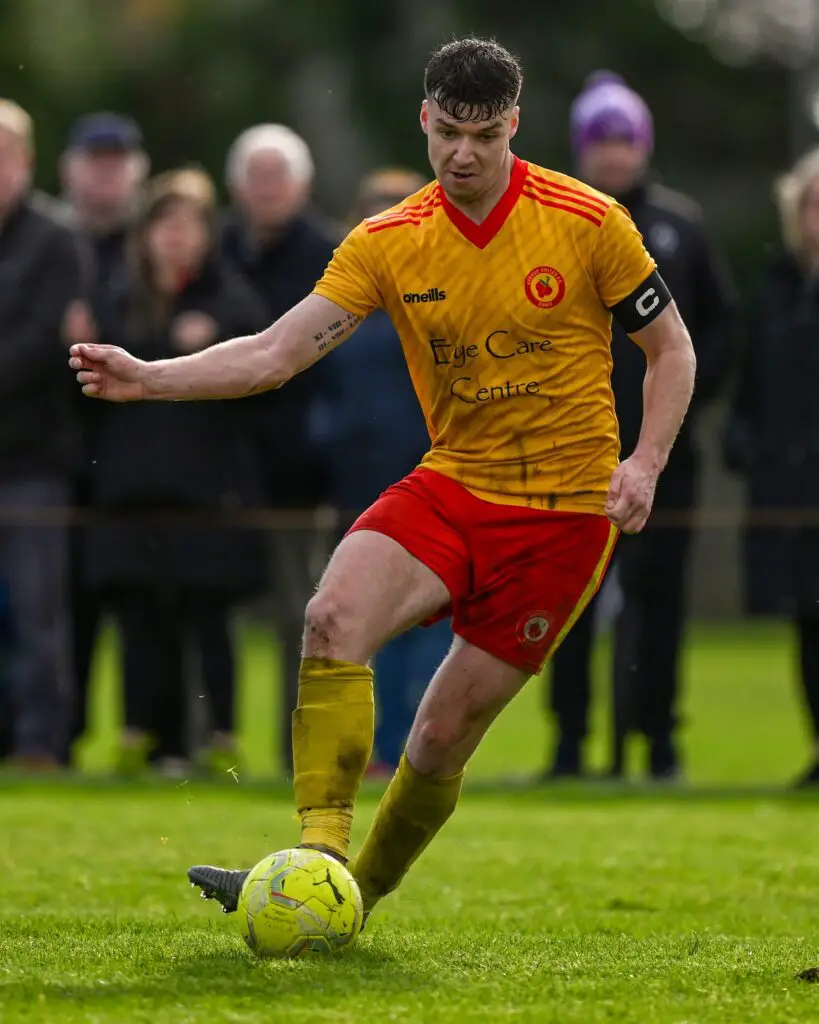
(613, 138)
(282, 249)
(169, 583)
(40, 275)
(375, 434)
(102, 170)
(6, 655)
(773, 433)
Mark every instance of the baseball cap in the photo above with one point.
(105, 131)
(608, 108)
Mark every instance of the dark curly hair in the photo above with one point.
(473, 79)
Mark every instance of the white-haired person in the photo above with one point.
(274, 237)
(773, 433)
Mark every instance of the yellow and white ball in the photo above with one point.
(297, 902)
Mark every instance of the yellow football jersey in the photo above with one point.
(506, 330)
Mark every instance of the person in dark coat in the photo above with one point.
(612, 136)
(374, 433)
(772, 436)
(279, 244)
(40, 276)
(102, 170)
(6, 656)
(170, 583)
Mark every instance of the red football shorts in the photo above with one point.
(518, 577)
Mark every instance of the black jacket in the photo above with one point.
(41, 273)
(106, 268)
(772, 437)
(165, 456)
(108, 254)
(283, 273)
(672, 228)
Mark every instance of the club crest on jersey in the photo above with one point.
(545, 287)
(534, 628)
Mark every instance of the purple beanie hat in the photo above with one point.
(607, 108)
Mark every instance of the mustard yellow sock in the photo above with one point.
(332, 743)
(412, 811)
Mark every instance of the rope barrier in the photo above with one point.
(326, 518)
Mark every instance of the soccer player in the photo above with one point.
(501, 279)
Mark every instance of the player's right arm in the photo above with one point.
(249, 365)
(237, 368)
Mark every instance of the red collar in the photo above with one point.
(482, 234)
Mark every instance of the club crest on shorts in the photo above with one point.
(534, 628)
(545, 287)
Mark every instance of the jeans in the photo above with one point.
(402, 671)
(33, 563)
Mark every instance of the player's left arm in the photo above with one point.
(667, 391)
(629, 284)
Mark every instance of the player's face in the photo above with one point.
(810, 215)
(614, 166)
(179, 238)
(269, 194)
(468, 157)
(15, 168)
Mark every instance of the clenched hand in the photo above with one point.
(631, 494)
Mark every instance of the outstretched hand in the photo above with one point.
(631, 494)
(105, 371)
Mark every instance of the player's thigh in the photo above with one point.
(371, 590)
(404, 560)
(546, 568)
(466, 694)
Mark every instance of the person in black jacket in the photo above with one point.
(167, 582)
(40, 276)
(772, 436)
(282, 248)
(102, 170)
(612, 136)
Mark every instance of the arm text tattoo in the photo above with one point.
(336, 331)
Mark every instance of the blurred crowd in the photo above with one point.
(151, 263)
(141, 514)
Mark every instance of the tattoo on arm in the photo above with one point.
(336, 331)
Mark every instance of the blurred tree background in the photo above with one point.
(719, 76)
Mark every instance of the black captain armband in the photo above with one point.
(643, 305)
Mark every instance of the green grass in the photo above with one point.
(569, 904)
(743, 721)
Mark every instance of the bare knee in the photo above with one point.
(436, 745)
(448, 729)
(329, 627)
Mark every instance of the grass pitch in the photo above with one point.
(568, 904)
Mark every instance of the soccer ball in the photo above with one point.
(298, 902)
